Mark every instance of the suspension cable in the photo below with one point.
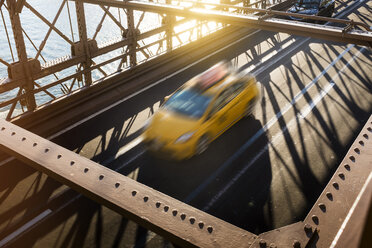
(69, 18)
(7, 35)
(32, 43)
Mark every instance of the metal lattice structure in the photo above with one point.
(87, 63)
(86, 68)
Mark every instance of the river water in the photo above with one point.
(56, 46)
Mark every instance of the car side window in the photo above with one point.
(237, 88)
(221, 101)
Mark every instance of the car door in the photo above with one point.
(217, 119)
(236, 104)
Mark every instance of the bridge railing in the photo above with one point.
(36, 75)
(30, 85)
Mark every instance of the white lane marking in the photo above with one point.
(313, 103)
(124, 149)
(351, 211)
(277, 58)
(130, 160)
(262, 131)
(304, 112)
(23, 228)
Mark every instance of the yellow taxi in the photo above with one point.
(200, 111)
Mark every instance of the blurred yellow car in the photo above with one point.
(200, 111)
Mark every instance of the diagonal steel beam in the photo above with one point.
(42, 45)
(271, 24)
(176, 221)
(48, 23)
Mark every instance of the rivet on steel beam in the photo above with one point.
(145, 199)
(296, 244)
(352, 158)
(315, 219)
(342, 176)
(329, 196)
(192, 220)
(262, 243)
(174, 212)
(322, 206)
(117, 185)
(134, 193)
(210, 229)
(308, 228)
(357, 150)
(365, 136)
(158, 204)
(361, 142)
(201, 225)
(166, 208)
(183, 216)
(335, 185)
(347, 167)
(272, 245)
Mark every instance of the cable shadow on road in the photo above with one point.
(326, 131)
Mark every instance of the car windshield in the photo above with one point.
(308, 3)
(188, 102)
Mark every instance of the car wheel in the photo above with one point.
(202, 145)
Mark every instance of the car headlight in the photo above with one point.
(185, 137)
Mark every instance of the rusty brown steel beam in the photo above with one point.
(83, 39)
(42, 44)
(27, 83)
(19, 5)
(4, 62)
(270, 12)
(334, 207)
(271, 24)
(178, 222)
(357, 231)
(41, 17)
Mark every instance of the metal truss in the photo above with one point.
(134, 45)
(185, 225)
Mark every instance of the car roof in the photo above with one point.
(212, 80)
